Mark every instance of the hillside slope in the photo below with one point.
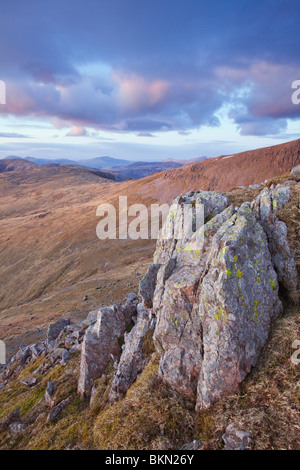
(50, 256)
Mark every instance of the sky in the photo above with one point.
(147, 80)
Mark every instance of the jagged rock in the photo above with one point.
(235, 439)
(295, 173)
(91, 318)
(214, 311)
(194, 445)
(17, 428)
(172, 238)
(29, 382)
(101, 340)
(147, 285)
(93, 395)
(38, 349)
(22, 356)
(55, 328)
(58, 409)
(65, 357)
(13, 417)
(265, 207)
(57, 353)
(50, 392)
(132, 359)
(255, 186)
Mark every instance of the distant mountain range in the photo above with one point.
(121, 169)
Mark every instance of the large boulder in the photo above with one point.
(101, 340)
(214, 305)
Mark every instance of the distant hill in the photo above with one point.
(15, 163)
(18, 164)
(121, 169)
(141, 169)
(104, 162)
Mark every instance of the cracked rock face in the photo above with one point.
(214, 303)
(168, 243)
(132, 360)
(265, 207)
(101, 341)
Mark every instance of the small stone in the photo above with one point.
(194, 445)
(17, 428)
(235, 439)
(50, 392)
(29, 382)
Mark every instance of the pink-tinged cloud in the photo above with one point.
(136, 93)
(77, 131)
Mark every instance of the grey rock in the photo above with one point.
(50, 392)
(235, 439)
(295, 173)
(101, 340)
(58, 409)
(13, 417)
(132, 360)
(29, 382)
(171, 238)
(65, 357)
(55, 328)
(214, 311)
(266, 206)
(22, 356)
(147, 285)
(194, 445)
(17, 428)
(91, 318)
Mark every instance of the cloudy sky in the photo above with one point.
(147, 80)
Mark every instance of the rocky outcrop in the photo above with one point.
(213, 296)
(101, 341)
(132, 360)
(214, 311)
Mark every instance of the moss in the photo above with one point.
(137, 420)
(148, 347)
(31, 368)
